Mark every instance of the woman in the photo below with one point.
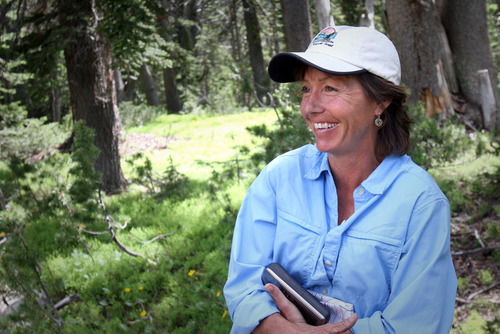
(352, 218)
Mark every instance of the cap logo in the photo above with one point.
(325, 37)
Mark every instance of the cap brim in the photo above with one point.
(282, 67)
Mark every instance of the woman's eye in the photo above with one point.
(330, 89)
(305, 89)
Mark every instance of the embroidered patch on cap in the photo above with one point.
(325, 37)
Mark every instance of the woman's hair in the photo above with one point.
(394, 135)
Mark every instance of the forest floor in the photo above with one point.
(476, 257)
(476, 253)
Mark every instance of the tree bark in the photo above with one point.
(414, 29)
(466, 25)
(91, 86)
(260, 77)
(297, 24)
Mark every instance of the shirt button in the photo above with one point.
(324, 291)
(328, 263)
(361, 191)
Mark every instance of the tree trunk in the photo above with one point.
(420, 54)
(91, 86)
(466, 25)
(324, 14)
(260, 76)
(297, 24)
(55, 105)
(148, 86)
(368, 15)
(172, 100)
(120, 86)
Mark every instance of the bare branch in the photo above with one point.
(161, 236)
(95, 233)
(478, 237)
(112, 230)
(475, 250)
(477, 293)
(66, 301)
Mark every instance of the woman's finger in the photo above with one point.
(286, 307)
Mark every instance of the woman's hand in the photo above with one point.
(291, 320)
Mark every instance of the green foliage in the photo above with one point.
(22, 137)
(171, 184)
(435, 141)
(486, 276)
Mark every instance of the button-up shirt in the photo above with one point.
(391, 259)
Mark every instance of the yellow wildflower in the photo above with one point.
(143, 313)
(2, 234)
(127, 289)
(224, 314)
(218, 294)
(140, 288)
(159, 231)
(191, 272)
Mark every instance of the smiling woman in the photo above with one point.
(352, 218)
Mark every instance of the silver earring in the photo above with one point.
(378, 121)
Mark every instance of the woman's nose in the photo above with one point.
(311, 104)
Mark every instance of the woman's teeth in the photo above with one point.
(324, 125)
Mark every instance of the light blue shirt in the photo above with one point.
(391, 259)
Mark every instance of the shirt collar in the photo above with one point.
(319, 166)
(381, 178)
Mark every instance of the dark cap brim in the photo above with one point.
(283, 67)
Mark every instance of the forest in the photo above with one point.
(130, 131)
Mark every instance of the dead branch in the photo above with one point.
(473, 295)
(478, 238)
(475, 250)
(161, 236)
(113, 235)
(94, 232)
(66, 301)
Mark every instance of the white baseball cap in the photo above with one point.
(342, 50)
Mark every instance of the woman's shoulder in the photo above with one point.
(414, 178)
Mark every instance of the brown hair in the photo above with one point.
(394, 135)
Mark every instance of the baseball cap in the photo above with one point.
(342, 50)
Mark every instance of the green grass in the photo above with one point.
(195, 139)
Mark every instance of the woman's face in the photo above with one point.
(339, 114)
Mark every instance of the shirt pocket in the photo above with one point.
(365, 267)
(296, 245)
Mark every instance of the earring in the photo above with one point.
(378, 121)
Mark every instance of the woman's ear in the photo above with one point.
(382, 106)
